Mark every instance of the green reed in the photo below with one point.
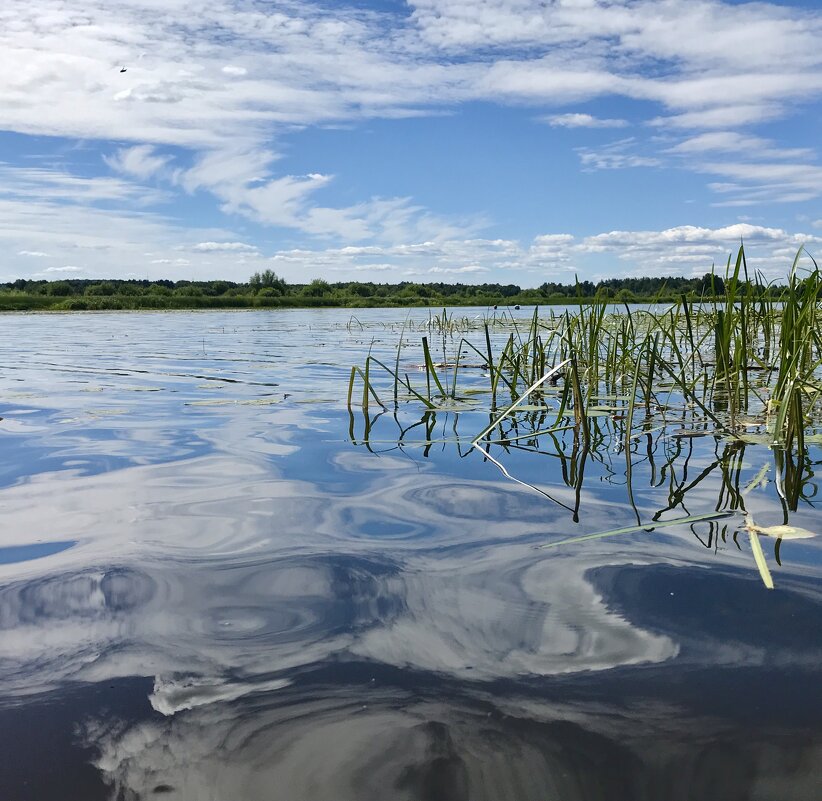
(741, 363)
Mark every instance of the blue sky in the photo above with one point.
(438, 140)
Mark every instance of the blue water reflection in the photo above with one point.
(24, 553)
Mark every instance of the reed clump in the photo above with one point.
(744, 365)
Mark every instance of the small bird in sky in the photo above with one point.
(122, 69)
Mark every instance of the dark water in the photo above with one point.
(207, 591)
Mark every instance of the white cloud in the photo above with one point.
(698, 32)
(470, 268)
(149, 245)
(723, 116)
(312, 64)
(765, 182)
(743, 145)
(211, 247)
(583, 121)
(243, 180)
(141, 161)
(33, 253)
(681, 250)
(225, 82)
(692, 249)
(110, 243)
(691, 234)
(615, 156)
(60, 185)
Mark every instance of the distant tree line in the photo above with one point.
(268, 289)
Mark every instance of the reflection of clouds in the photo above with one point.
(503, 617)
(55, 628)
(236, 579)
(241, 572)
(194, 628)
(333, 747)
(510, 614)
(176, 694)
(341, 744)
(244, 572)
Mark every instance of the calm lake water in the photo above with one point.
(209, 591)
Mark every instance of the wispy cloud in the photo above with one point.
(582, 121)
(729, 116)
(742, 145)
(60, 185)
(615, 156)
(150, 245)
(234, 247)
(770, 182)
(141, 161)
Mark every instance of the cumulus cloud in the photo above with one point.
(680, 250)
(689, 249)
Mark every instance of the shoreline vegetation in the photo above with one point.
(267, 290)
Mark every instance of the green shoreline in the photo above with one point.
(269, 291)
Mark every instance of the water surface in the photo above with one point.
(210, 590)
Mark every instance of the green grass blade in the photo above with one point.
(650, 527)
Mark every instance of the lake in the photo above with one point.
(219, 581)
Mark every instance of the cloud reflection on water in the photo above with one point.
(260, 572)
(345, 743)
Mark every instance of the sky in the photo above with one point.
(511, 141)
